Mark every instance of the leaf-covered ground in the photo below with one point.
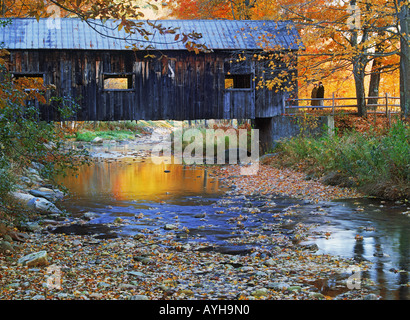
(82, 267)
(154, 266)
(270, 180)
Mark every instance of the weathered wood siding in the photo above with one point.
(174, 85)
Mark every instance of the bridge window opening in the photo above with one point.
(31, 81)
(118, 81)
(238, 81)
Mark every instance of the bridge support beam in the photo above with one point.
(265, 127)
(271, 130)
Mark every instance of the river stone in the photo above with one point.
(46, 193)
(294, 288)
(270, 262)
(247, 269)
(43, 205)
(31, 226)
(103, 284)
(32, 171)
(309, 247)
(25, 180)
(277, 286)
(90, 215)
(260, 292)
(137, 274)
(170, 226)
(316, 295)
(34, 259)
(97, 140)
(22, 197)
(5, 246)
(139, 297)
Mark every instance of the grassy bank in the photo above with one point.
(376, 163)
(88, 136)
(109, 130)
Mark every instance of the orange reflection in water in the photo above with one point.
(126, 179)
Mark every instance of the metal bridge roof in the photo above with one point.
(74, 33)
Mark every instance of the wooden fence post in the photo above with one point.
(333, 103)
(387, 104)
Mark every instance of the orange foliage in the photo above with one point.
(325, 28)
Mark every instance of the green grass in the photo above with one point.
(376, 164)
(88, 136)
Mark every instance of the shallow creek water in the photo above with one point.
(147, 196)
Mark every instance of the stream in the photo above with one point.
(147, 197)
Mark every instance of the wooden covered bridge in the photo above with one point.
(95, 65)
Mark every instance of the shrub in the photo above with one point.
(379, 164)
(25, 140)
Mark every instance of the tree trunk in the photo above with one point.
(374, 81)
(359, 66)
(404, 17)
(375, 74)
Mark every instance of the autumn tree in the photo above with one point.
(360, 37)
(344, 35)
(403, 11)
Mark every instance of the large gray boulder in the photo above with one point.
(43, 206)
(34, 259)
(22, 197)
(46, 193)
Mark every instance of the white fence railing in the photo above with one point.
(384, 105)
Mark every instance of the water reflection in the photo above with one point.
(126, 179)
(385, 242)
(176, 194)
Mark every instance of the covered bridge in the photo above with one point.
(96, 66)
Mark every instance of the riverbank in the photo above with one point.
(145, 267)
(373, 160)
(281, 181)
(158, 265)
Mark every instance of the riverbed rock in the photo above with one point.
(294, 289)
(137, 274)
(30, 226)
(247, 269)
(89, 215)
(6, 247)
(270, 263)
(170, 226)
(316, 295)
(277, 286)
(36, 259)
(46, 193)
(139, 297)
(43, 206)
(260, 292)
(25, 180)
(338, 179)
(22, 197)
(144, 260)
(97, 140)
(309, 247)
